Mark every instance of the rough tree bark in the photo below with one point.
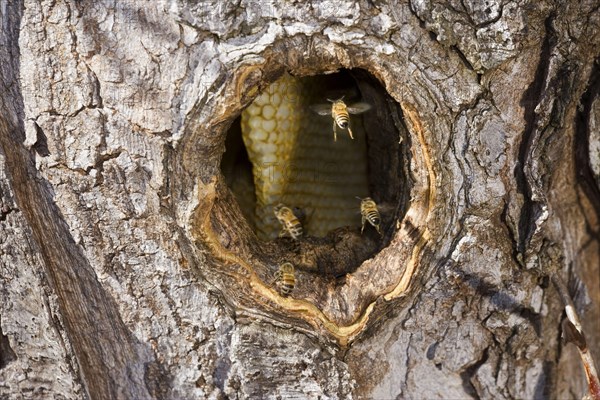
(121, 273)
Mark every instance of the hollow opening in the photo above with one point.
(281, 150)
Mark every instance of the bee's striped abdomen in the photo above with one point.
(339, 112)
(286, 280)
(373, 218)
(294, 228)
(370, 213)
(341, 118)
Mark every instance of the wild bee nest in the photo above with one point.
(314, 166)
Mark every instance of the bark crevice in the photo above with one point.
(470, 372)
(531, 98)
(7, 354)
(587, 179)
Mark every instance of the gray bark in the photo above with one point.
(113, 123)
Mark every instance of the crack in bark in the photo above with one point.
(99, 165)
(545, 384)
(512, 235)
(465, 60)
(7, 355)
(586, 178)
(470, 372)
(530, 100)
(41, 141)
(5, 209)
(493, 20)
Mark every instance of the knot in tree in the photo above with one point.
(278, 151)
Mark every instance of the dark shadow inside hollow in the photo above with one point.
(322, 177)
(388, 143)
(237, 170)
(7, 355)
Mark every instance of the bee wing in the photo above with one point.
(386, 208)
(357, 108)
(321, 109)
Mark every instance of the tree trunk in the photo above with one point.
(129, 269)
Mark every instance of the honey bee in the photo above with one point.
(289, 222)
(340, 112)
(370, 213)
(285, 278)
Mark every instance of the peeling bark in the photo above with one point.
(128, 270)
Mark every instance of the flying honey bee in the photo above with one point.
(285, 278)
(340, 112)
(370, 213)
(290, 225)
